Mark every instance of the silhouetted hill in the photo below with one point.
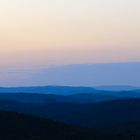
(97, 115)
(44, 98)
(20, 127)
(72, 95)
(117, 88)
(122, 94)
(137, 90)
(60, 90)
(92, 97)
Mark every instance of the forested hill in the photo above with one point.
(15, 126)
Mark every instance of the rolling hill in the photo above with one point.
(99, 115)
(20, 127)
(60, 90)
(117, 88)
(46, 98)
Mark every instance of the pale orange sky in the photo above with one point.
(41, 33)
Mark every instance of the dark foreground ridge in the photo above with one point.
(15, 126)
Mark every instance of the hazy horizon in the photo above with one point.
(38, 34)
(97, 74)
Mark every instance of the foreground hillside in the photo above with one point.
(101, 116)
(15, 126)
(20, 127)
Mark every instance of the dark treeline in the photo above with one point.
(21, 127)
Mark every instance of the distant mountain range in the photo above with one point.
(117, 88)
(68, 94)
(90, 74)
(59, 90)
(103, 109)
(66, 90)
(53, 98)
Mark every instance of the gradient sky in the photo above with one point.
(42, 33)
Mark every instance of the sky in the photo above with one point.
(36, 34)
